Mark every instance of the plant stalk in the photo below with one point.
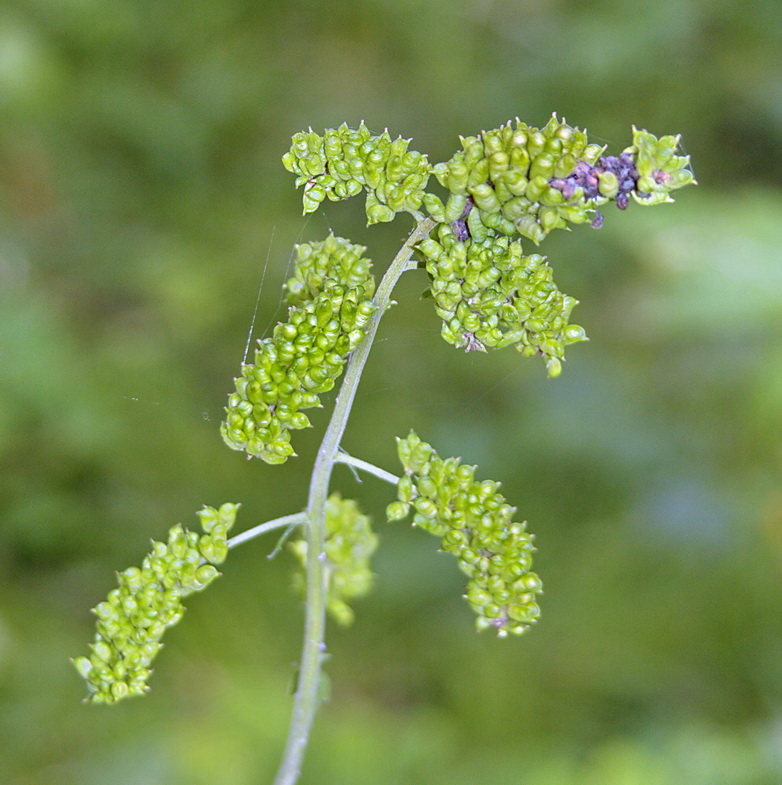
(305, 701)
(357, 463)
(262, 528)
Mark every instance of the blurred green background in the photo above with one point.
(141, 194)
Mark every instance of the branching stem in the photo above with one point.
(306, 698)
(370, 468)
(262, 528)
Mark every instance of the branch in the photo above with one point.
(262, 528)
(370, 468)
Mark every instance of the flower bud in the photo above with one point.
(397, 510)
(609, 184)
(485, 198)
(434, 207)
(473, 521)
(454, 207)
(146, 602)
(345, 161)
(330, 295)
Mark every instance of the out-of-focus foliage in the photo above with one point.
(141, 196)
(350, 543)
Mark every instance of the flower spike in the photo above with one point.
(489, 295)
(475, 524)
(527, 181)
(349, 546)
(148, 601)
(330, 298)
(345, 161)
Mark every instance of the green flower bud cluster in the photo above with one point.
(500, 181)
(525, 180)
(331, 303)
(322, 265)
(345, 161)
(489, 294)
(660, 170)
(349, 545)
(475, 524)
(148, 600)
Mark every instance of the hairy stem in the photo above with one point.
(305, 701)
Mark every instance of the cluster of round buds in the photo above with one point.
(345, 161)
(333, 262)
(349, 545)
(148, 600)
(500, 182)
(475, 524)
(489, 295)
(330, 299)
(523, 180)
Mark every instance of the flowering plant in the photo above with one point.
(504, 188)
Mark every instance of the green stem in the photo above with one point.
(262, 528)
(370, 468)
(305, 701)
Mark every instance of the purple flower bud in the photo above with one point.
(460, 230)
